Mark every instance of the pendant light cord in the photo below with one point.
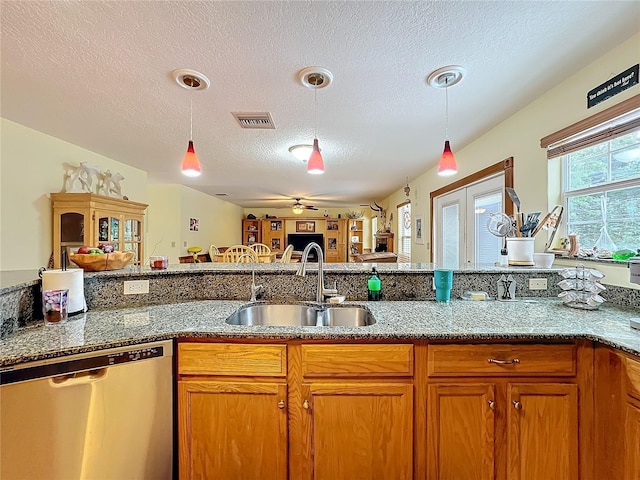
(446, 108)
(315, 112)
(191, 117)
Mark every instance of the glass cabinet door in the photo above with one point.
(109, 231)
(132, 237)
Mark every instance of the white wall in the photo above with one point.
(32, 167)
(170, 209)
(519, 137)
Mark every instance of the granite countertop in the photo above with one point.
(523, 319)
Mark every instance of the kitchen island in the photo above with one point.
(404, 383)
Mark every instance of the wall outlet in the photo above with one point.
(537, 284)
(134, 287)
(173, 244)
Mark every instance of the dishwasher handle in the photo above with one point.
(78, 378)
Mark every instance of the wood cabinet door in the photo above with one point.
(461, 432)
(542, 426)
(631, 440)
(232, 431)
(358, 431)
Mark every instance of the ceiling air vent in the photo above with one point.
(254, 120)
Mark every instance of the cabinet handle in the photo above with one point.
(305, 405)
(492, 404)
(517, 405)
(281, 404)
(503, 362)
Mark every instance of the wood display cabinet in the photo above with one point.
(335, 240)
(303, 411)
(90, 219)
(384, 242)
(516, 412)
(355, 236)
(273, 234)
(251, 231)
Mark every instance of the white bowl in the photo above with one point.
(543, 260)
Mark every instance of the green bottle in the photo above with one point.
(374, 286)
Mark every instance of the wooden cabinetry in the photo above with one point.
(89, 219)
(273, 234)
(384, 242)
(503, 411)
(335, 240)
(355, 236)
(251, 231)
(228, 426)
(349, 410)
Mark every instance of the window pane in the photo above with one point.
(587, 171)
(586, 218)
(404, 230)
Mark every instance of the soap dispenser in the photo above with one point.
(374, 286)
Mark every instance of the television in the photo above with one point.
(301, 240)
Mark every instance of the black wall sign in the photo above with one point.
(613, 86)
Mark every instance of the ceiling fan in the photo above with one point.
(298, 207)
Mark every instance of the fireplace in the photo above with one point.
(301, 240)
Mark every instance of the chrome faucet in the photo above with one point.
(321, 291)
(255, 289)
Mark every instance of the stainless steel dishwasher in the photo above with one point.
(101, 415)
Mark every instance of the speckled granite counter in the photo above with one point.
(523, 319)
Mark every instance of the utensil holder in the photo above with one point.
(520, 251)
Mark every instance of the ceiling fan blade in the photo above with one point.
(311, 207)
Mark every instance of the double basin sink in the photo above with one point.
(294, 315)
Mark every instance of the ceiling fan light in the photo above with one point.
(190, 162)
(316, 163)
(297, 209)
(447, 165)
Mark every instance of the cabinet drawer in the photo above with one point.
(501, 360)
(232, 359)
(357, 360)
(633, 377)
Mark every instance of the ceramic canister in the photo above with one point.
(520, 250)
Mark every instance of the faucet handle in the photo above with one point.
(331, 292)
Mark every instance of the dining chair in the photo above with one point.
(233, 254)
(213, 252)
(261, 248)
(286, 255)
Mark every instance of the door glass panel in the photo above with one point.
(131, 230)
(487, 245)
(450, 239)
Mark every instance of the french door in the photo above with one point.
(460, 234)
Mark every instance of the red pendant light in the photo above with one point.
(190, 162)
(315, 78)
(191, 80)
(447, 165)
(315, 166)
(446, 77)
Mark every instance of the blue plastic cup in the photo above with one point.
(443, 280)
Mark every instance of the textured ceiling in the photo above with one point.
(97, 74)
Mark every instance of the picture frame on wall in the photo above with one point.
(194, 224)
(304, 226)
(419, 231)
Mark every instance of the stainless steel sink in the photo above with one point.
(292, 315)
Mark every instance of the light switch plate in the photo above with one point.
(134, 287)
(537, 284)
